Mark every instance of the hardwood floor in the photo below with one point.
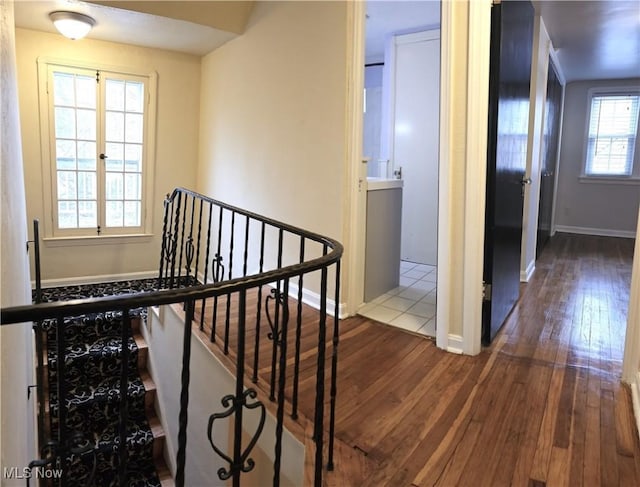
(542, 406)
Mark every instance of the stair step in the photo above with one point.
(150, 391)
(143, 350)
(158, 436)
(164, 474)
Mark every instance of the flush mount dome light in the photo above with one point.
(72, 24)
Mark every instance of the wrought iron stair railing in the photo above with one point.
(213, 255)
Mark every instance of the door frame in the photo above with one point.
(553, 58)
(464, 48)
(631, 357)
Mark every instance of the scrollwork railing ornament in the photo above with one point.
(274, 295)
(168, 249)
(242, 463)
(189, 253)
(218, 268)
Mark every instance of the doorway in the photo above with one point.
(400, 147)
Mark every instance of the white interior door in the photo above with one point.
(416, 89)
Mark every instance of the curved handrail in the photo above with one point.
(43, 311)
(285, 226)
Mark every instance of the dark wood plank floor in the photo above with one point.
(542, 406)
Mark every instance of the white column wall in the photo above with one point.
(17, 443)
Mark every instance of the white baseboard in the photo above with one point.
(75, 281)
(600, 232)
(526, 274)
(455, 344)
(635, 397)
(312, 299)
(308, 297)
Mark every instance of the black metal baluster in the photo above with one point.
(318, 430)
(228, 310)
(246, 248)
(296, 363)
(276, 325)
(275, 332)
(182, 242)
(334, 366)
(216, 271)
(281, 383)
(36, 258)
(195, 272)
(62, 399)
(124, 397)
(216, 276)
(37, 327)
(171, 250)
(239, 399)
(256, 350)
(175, 240)
(206, 264)
(165, 237)
(184, 395)
(197, 246)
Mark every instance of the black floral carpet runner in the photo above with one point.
(93, 358)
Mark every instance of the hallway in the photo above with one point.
(542, 406)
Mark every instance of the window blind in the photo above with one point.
(613, 125)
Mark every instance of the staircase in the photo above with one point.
(79, 398)
(92, 371)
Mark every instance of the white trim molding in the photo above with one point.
(354, 228)
(443, 303)
(478, 51)
(455, 344)
(312, 299)
(526, 274)
(599, 232)
(631, 358)
(635, 398)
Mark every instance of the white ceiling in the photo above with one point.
(388, 17)
(125, 26)
(594, 39)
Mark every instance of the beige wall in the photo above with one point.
(176, 143)
(272, 123)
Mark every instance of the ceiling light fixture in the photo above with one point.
(73, 25)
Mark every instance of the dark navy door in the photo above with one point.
(510, 74)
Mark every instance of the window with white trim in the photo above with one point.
(98, 135)
(611, 134)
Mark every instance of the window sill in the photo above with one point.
(625, 180)
(74, 241)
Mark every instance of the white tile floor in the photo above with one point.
(412, 305)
